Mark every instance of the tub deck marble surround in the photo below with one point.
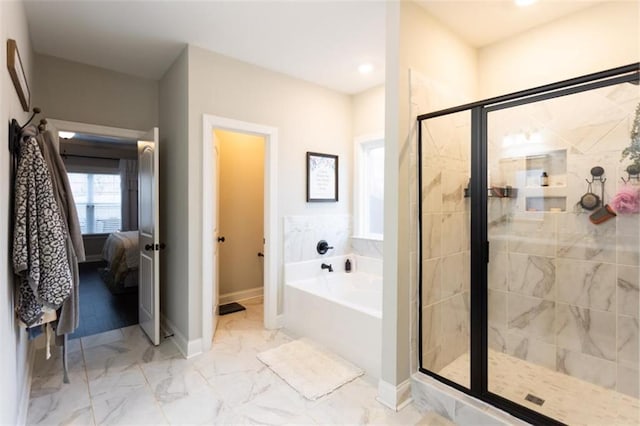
(567, 398)
(117, 377)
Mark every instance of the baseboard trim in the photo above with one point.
(187, 348)
(23, 403)
(394, 397)
(237, 296)
(280, 321)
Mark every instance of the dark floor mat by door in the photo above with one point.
(230, 308)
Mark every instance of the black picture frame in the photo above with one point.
(322, 177)
(16, 71)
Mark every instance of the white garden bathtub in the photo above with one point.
(341, 311)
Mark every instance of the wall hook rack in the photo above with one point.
(631, 177)
(596, 175)
(633, 173)
(15, 129)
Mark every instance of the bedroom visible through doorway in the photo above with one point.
(103, 176)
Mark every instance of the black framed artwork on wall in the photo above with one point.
(322, 177)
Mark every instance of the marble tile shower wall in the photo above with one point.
(302, 233)
(445, 221)
(563, 292)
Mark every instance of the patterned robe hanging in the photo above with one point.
(39, 251)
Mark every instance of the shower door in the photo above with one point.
(530, 250)
(563, 269)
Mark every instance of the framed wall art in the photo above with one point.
(16, 71)
(322, 177)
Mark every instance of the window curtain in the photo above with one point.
(129, 186)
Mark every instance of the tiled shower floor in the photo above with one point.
(566, 398)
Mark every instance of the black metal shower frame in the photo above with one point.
(479, 234)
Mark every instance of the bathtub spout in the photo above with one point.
(329, 267)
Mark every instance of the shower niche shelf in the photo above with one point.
(551, 197)
(553, 163)
(546, 204)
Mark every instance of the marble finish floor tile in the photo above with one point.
(568, 399)
(119, 378)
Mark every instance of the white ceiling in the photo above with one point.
(483, 22)
(318, 41)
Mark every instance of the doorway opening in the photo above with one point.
(241, 216)
(214, 131)
(101, 165)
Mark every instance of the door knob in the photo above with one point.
(260, 254)
(148, 247)
(221, 239)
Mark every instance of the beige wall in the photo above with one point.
(241, 205)
(592, 40)
(368, 112)
(174, 204)
(414, 41)
(14, 381)
(77, 92)
(308, 118)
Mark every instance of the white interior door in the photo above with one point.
(217, 238)
(148, 237)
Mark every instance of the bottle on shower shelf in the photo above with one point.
(544, 179)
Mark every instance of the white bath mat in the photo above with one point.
(308, 368)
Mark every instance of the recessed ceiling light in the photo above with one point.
(523, 3)
(365, 68)
(66, 135)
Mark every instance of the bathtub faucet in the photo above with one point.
(329, 267)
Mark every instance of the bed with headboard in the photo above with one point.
(122, 256)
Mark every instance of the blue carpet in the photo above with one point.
(99, 309)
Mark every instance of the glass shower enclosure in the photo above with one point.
(529, 246)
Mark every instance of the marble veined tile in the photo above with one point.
(629, 290)
(431, 190)
(498, 269)
(431, 281)
(628, 343)
(532, 350)
(628, 239)
(497, 308)
(51, 367)
(124, 383)
(203, 406)
(453, 184)
(588, 331)
(367, 247)
(431, 326)
(455, 274)
(591, 369)
(101, 338)
(628, 381)
(137, 407)
(431, 236)
(453, 233)
(302, 233)
(52, 402)
(587, 284)
(532, 275)
(580, 239)
(531, 316)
